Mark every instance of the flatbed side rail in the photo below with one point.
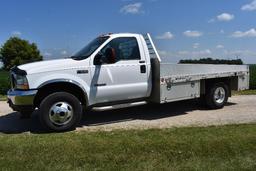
(187, 78)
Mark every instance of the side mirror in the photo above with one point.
(98, 59)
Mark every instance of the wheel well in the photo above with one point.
(59, 87)
(206, 84)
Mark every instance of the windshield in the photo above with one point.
(90, 48)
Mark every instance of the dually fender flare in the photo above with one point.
(67, 81)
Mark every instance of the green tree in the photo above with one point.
(17, 51)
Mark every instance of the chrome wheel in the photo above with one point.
(61, 113)
(219, 95)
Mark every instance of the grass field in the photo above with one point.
(245, 92)
(211, 148)
(3, 97)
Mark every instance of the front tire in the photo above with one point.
(60, 111)
(217, 96)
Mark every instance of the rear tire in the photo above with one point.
(60, 111)
(217, 96)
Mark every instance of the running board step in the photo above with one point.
(119, 106)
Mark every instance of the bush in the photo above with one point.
(4, 82)
(252, 76)
(4, 87)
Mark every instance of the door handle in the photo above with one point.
(100, 85)
(141, 62)
(143, 69)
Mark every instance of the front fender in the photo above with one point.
(37, 81)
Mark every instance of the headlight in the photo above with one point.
(21, 82)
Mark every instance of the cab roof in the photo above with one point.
(119, 34)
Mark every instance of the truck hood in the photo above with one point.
(53, 65)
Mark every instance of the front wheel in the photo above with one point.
(60, 111)
(217, 96)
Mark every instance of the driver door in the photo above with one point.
(124, 79)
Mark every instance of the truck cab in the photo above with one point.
(110, 69)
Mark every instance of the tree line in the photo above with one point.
(212, 61)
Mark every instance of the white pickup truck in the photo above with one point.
(113, 71)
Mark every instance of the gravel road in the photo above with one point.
(240, 109)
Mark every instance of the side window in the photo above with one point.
(126, 48)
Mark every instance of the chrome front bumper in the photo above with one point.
(21, 97)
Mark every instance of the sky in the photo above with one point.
(181, 29)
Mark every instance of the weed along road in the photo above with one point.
(240, 109)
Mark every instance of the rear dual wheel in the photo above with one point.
(217, 96)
